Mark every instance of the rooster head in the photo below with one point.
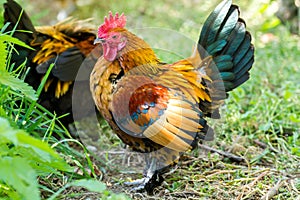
(110, 36)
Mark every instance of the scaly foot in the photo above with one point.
(145, 184)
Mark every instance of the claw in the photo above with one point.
(147, 183)
(140, 184)
(135, 182)
(151, 180)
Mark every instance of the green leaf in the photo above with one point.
(18, 85)
(17, 173)
(3, 56)
(294, 118)
(269, 24)
(4, 149)
(39, 90)
(3, 48)
(8, 38)
(45, 78)
(296, 151)
(287, 95)
(5, 26)
(36, 150)
(90, 184)
(38, 162)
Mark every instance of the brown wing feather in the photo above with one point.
(175, 121)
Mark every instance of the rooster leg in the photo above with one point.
(150, 181)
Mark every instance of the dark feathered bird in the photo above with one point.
(67, 44)
(159, 109)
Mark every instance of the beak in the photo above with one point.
(98, 40)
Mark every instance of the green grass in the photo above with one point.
(260, 121)
(33, 163)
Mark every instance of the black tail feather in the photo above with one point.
(18, 20)
(225, 39)
(22, 29)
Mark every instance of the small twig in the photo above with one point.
(259, 171)
(258, 178)
(272, 191)
(251, 185)
(186, 194)
(223, 153)
(264, 145)
(293, 186)
(216, 172)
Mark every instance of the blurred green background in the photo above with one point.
(185, 16)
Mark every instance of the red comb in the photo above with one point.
(111, 22)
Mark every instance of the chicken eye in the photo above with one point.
(114, 37)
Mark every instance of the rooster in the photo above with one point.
(66, 44)
(159, 109)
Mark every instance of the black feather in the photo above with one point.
(66, 66)
(224, 37)
(212, 24)
(12, 12)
